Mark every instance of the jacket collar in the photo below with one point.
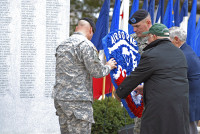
(183, 46)
(155, 43)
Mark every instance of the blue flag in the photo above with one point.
(102, 25)
(183, 18)
(115, 16)
(184, 11)
(176, 13)
(145, 5)
(160, 12)
(169, 15)
(192, 26)
(198, 38)
(134, 8)
(151, 10)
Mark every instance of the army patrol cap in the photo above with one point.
(92, 24)
(159, 30)
(138, 16)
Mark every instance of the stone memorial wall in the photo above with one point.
(30, 31)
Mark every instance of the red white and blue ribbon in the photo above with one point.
(123, 48)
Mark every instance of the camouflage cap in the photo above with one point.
(159, 30)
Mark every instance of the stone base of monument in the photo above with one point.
(128, 129)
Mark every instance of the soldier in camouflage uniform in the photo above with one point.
(141, 22)
(76, 63)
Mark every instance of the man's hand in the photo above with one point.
(116, 96)
(112, 63)
(139, 89)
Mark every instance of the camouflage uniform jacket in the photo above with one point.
(141, 41)
(76, 63)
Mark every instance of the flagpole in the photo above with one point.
(113, 90)
(104, 87)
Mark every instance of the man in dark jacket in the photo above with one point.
(163, 69)
(178, 37)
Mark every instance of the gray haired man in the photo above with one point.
(178, 37)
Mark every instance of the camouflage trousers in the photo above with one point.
(137, 125)
(69, 123)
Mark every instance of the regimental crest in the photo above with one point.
(123, 48)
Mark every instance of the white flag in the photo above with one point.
(124, 15)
